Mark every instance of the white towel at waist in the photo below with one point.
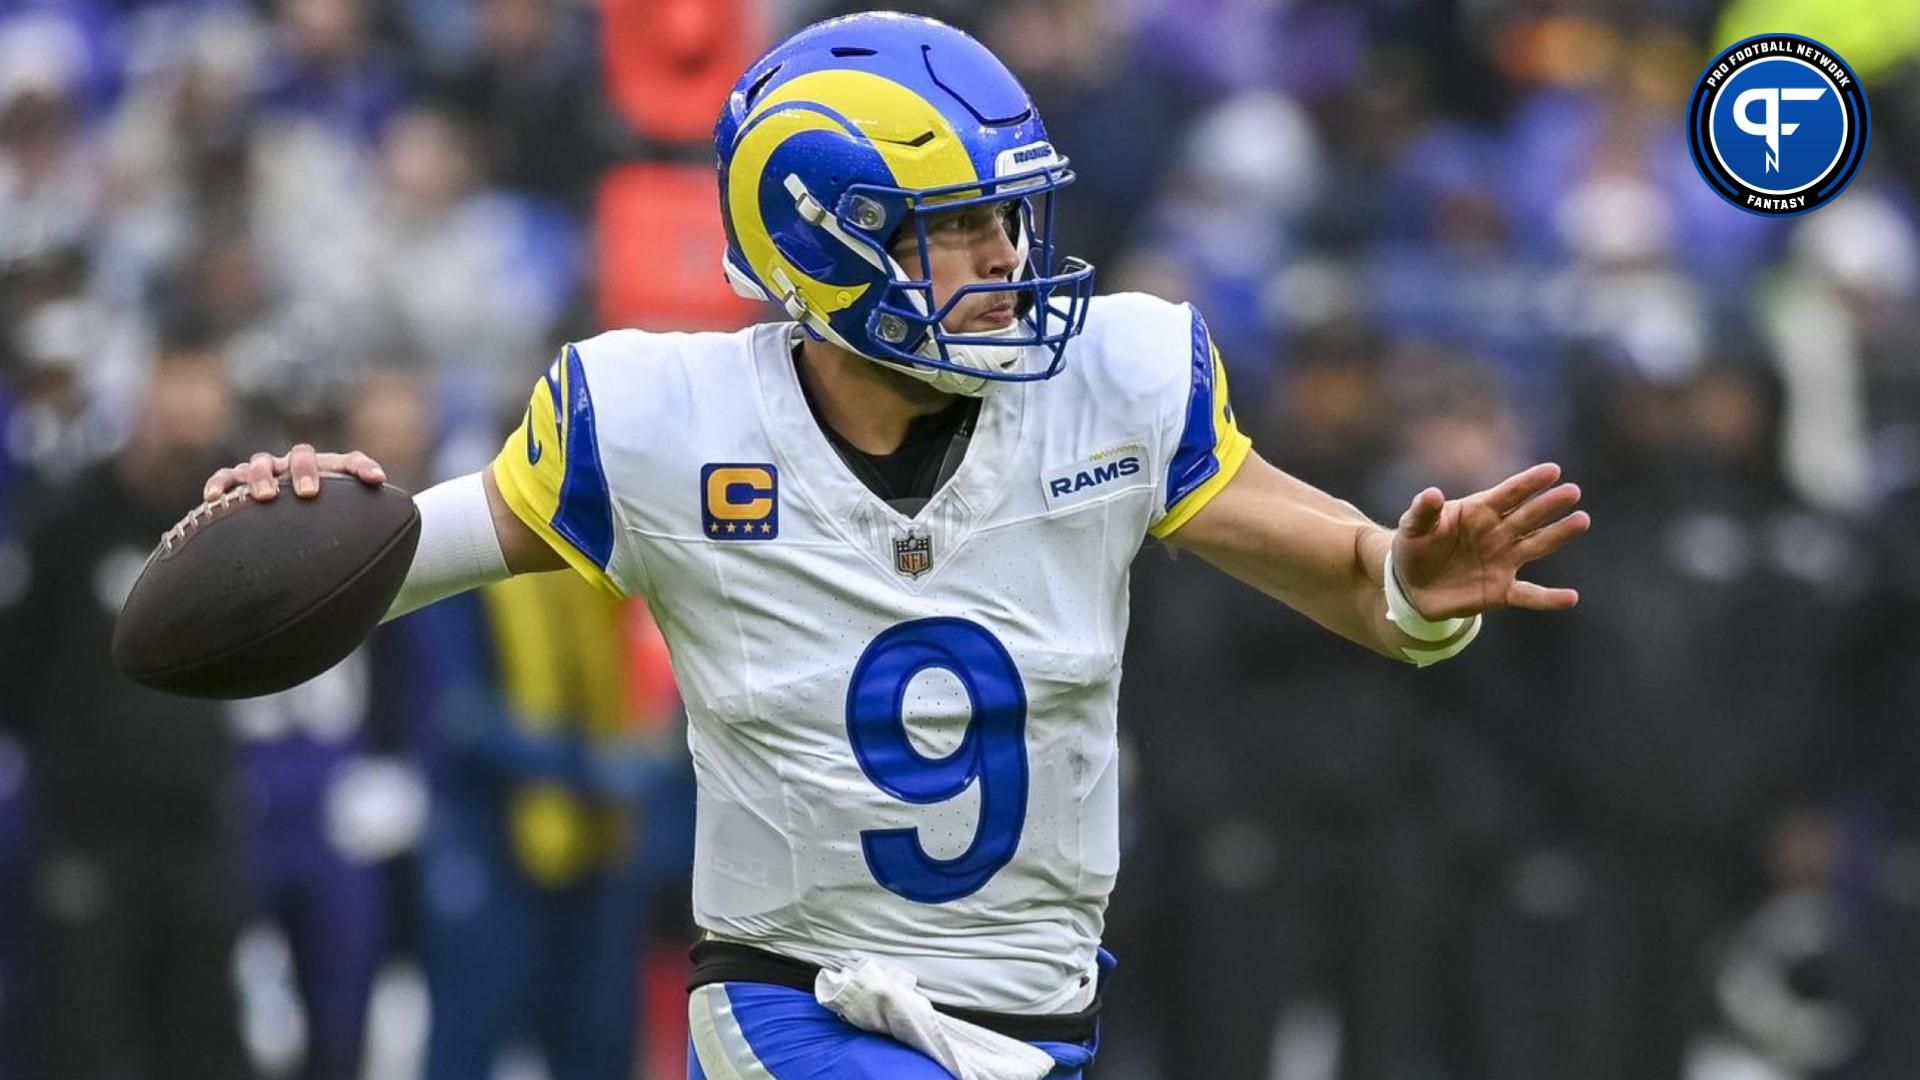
(877, 996)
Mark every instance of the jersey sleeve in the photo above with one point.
(551, 474)
(1200, 443)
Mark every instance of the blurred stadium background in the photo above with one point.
(1675, 835)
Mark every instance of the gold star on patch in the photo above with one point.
(766, 528)
(729, 526)
(713, 527)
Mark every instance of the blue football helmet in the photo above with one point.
(854, 129)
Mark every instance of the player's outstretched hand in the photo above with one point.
(1457, 557)
(262, 472)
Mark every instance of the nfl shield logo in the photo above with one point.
(913, 555)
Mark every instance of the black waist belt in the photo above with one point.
(724, 961)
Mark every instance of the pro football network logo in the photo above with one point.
(1778, 124)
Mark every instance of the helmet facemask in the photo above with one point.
(947, 359)
(908, 328)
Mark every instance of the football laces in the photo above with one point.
(199, 516)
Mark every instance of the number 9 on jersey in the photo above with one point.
(993, 752)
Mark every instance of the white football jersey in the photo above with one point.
(903, 728)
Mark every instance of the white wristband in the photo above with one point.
(1423, 657)
(1402, 614)
(459, 549)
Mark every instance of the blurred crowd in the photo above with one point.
(1673, 835)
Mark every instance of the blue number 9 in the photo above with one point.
(993, 752)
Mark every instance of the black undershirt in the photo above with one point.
(910, 475)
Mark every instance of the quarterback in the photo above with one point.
(888, 540)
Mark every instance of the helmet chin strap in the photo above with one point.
(978, 357)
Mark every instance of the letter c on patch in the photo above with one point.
(723, 485)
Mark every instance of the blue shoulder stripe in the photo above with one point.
(1194, 462)
(585, 512)
(552, 379)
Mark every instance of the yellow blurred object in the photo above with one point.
(557, 838)
(562, 658)
(562, 647)
(1871, 35)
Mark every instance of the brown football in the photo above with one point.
(244, 598)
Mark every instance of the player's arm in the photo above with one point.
(469, 537)
(1454, 558)
(522, 549)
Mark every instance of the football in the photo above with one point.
(244, 598)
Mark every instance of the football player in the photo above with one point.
(888, 542)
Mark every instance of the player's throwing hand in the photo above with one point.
(262, 471)
(1459, 557)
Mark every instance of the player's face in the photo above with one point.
(968, 246)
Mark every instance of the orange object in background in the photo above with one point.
(660, 242)
(670, 63)
(653, 700)
(663, 1017)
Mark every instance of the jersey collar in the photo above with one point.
(810, 464)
